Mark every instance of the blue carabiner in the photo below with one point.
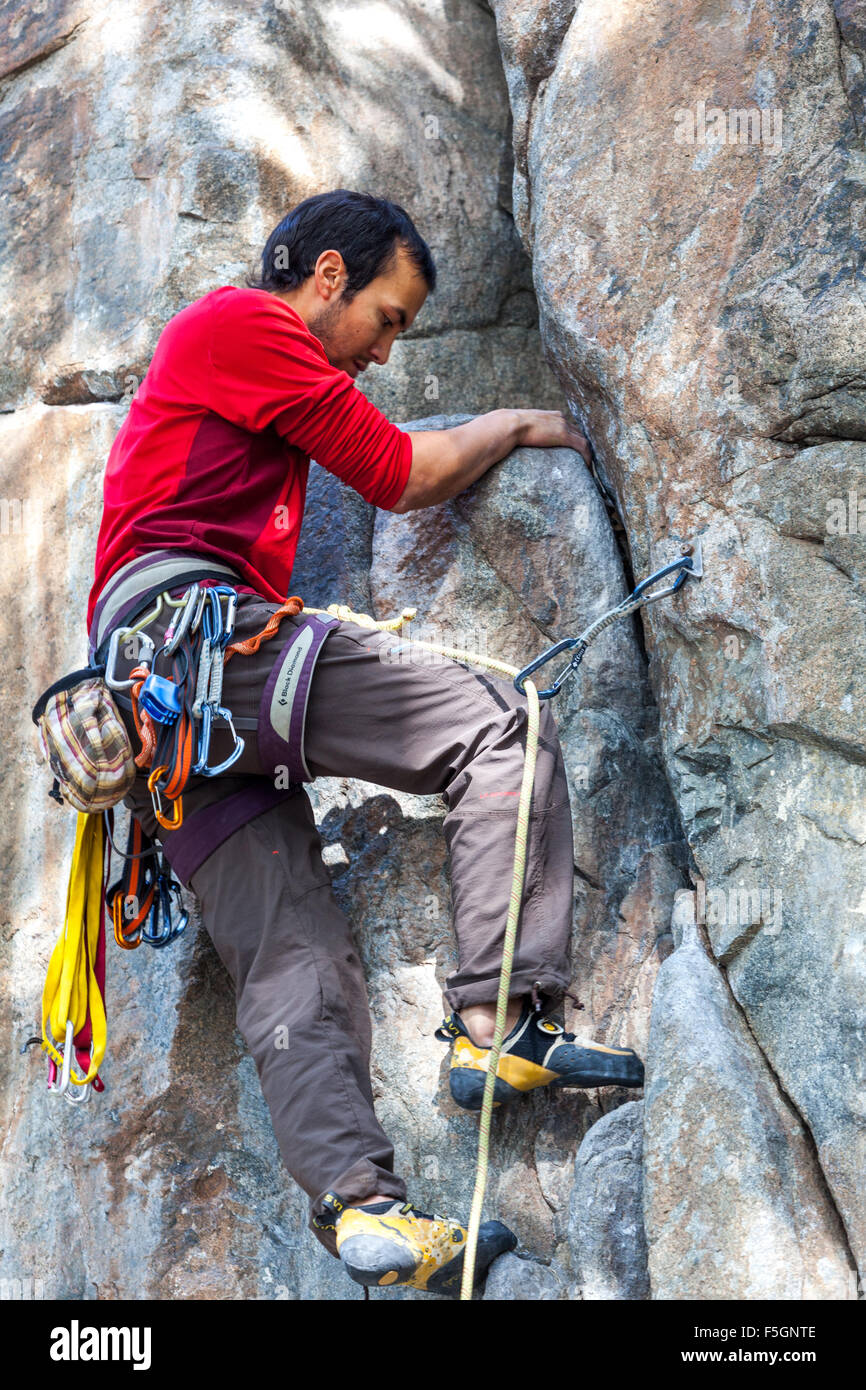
(567, 644)
(685, 564)
(219, 630)
(166, 886)
(208, 714)
(212, 617)
(239, 745)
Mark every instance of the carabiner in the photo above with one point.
(206, 717)
(173, 638)
(61, 1085)
(155, 797)
(169, 932)
(127, 943)
(146, 656)
(231, 615)
(78, 1094)
(212, 618)
(689, 563)
(685, 564)
(568, 644)
(209, 713)
(223, 628)
(202, 600)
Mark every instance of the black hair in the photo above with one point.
(364, 229)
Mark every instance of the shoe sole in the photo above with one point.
(467, 1084)
(376, 1261)
(467, 1088)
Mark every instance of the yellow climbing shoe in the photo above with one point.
(388, 1243)
(537, 1052)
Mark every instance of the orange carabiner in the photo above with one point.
(117, 917)
(177, 806)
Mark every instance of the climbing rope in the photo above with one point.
(690, 564)
(517, 878)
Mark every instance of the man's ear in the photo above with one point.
(330, 273)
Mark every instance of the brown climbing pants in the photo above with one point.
(414, 724)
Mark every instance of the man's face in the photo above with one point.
(363, 331)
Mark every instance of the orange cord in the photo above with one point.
(143, 722)
(290, 608)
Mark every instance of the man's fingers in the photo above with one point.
(580, 443)
(574, 439)
(551, 429)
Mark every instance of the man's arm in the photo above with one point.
(445, 462)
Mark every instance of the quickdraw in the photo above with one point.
(208, 695)
(143, 901)
(690, 564)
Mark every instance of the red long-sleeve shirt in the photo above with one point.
(214, 454)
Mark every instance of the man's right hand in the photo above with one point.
(550, 429)
(446, 462)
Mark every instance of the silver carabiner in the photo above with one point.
(60, 1086)
(145, 656)
(77, 1094)
(65, 1087)
(173, 639)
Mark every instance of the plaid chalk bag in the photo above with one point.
(84, 741)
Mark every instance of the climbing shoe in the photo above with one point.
(388, 1243)
(537, 1052)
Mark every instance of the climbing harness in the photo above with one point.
(688, 565)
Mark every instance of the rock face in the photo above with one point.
(606, 1219)
(696, 257)
(513, 1279)
(699, 310)
(146, 163)
(734, 1199)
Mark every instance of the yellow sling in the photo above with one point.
(72, 994)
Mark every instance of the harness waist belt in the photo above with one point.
(133, 587)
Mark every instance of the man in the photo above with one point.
(209, 472)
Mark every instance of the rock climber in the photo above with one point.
(206, 479)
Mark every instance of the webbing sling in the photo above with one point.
(73, 1008)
